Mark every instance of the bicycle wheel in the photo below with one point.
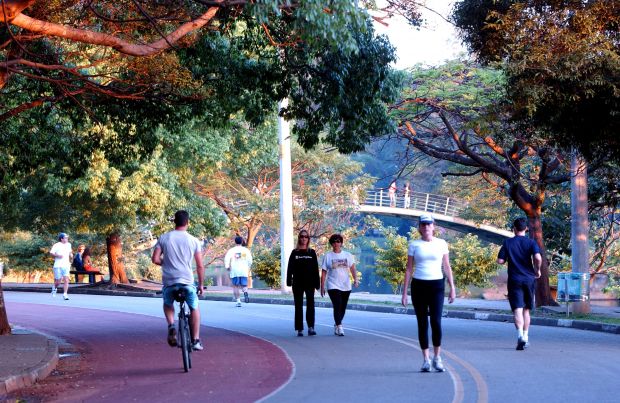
(184, 336)
(188, 323)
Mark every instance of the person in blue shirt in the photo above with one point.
(524, 260)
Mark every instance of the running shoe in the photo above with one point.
(438, 364)
(66, 297)
(311, 331)
(172, 336)
(340, 330)
(527, 344)
(336, 330)
(238, 304)
(197, 345)
(521, 344)
(300, 333)
(54, 289)
(426, 366)
(246, 297)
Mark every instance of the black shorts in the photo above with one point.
(521, 293)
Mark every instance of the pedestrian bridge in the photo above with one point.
(444, 209)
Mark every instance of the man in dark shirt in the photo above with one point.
(523, 257)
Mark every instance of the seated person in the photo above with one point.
(88, 264)
(77, 263)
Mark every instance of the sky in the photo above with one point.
(432, 44)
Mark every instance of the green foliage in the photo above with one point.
(24, 251)
(391, 261)
(139, 266)
(562, 63)
(266, 265)
(472, 262)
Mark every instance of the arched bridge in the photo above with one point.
(444, 209)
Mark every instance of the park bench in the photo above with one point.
(91, 275)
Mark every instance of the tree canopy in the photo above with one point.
(562, 63)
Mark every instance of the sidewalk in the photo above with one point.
(28, 356)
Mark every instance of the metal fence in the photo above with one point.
(436, 204)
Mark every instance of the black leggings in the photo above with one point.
(340, 299)
(427, 297)
(298, 296)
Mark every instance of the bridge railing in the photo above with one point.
(436, 204)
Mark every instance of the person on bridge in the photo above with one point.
(174, 252)
(407, 196)
(62, 253)
(432, 267)
(303, 275)
(392, 193)
(238, 261)
(336, 267)
(524, 260)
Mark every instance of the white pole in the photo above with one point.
(286, 196)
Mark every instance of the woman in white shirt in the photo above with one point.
(336, 267)
(430, 256)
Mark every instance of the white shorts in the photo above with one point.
(60, 272)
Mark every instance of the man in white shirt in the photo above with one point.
(238, 261)
(62, 253)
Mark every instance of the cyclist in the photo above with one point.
(174, 252)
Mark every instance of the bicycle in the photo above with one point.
(184, 326)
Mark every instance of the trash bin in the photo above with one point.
(573, 287)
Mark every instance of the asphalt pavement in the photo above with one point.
(28, 356)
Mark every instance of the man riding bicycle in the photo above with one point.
(174, 252)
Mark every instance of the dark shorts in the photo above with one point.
(240, 281)
(521, 294)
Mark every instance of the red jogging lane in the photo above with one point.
(125, 357)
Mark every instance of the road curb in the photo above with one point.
(472, 314)
(31, 375)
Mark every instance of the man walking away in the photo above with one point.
(174, 252)
(523, 257)
(238, 261)
(62, 264)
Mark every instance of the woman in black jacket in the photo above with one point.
(303, 275)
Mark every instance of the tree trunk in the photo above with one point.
(543, 293)
(5, 328)
(580, 252)
(115, 259)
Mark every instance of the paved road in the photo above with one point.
(378, 359)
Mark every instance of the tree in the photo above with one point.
(391, 262)
(452, 114)
(472, 262)
(562, 62)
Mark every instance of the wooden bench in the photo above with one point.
(91, 275)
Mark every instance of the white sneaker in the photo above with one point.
(197, 346)
(426, 366)
(66, 297)
(340, 330)
(238, 304)
(54, 289)
(336, 330)
(438, 364)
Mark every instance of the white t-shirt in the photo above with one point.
(337, 266)
(239, 260)
(428, 257)
(63, 249)
(178, 249)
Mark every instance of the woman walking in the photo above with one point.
(303, 275)
(337, 265)
(431, 260)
